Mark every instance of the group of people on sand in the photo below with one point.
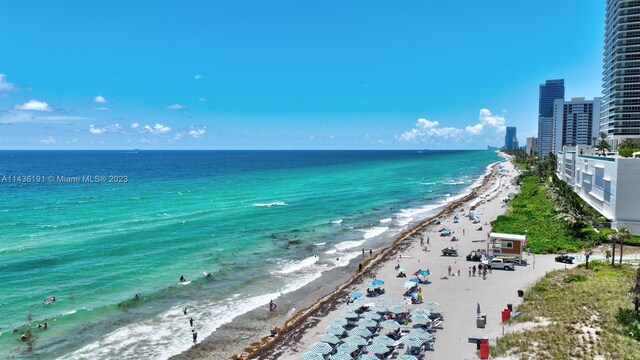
(482, 271)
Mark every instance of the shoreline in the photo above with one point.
(320, 300)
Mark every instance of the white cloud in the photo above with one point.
(48, 140)
(202, 99)
(331, 137)
(102, 108)
(134, 126)
(105, 129)
(100, 99)
(312, 137)
(156, 129)
(176, 107)
(178, 136)
(426, 130)
(5, 85)
(196, 133)
(33, 105)
(198, 77)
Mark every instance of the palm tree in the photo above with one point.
(627, 144)
(623, 235)
(603, 144)
(613, 249)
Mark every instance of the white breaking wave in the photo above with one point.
(384, 221)
(348, 244)
(320, 244)
(297, 265)
(332, 251)
(276, 203)
(339, 221)
(374, 231)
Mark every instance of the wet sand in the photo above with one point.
(304, 314)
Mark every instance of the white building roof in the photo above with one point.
(508, 236)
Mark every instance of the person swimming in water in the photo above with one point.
(182, 278)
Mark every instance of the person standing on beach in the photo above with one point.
(469, 271)
(195, 336)
(474, 271)
(449, 270)
(427, 240)
(191, 322)
(362, 251)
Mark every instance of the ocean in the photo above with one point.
(95, 228)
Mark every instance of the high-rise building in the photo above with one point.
(549, 92)
(575, 122)
(532, 145)
(620, 115)
(510, 139)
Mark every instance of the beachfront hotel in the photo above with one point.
(549, 92)
(609, 184)
(620, 116)
(575, 122)
(510, 139)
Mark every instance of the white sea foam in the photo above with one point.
(294, 266)
(343, 259)
(426, 183)
(320, 244)
(384, 221)
(375, 231)
(332, 251)
(276, 203)
(348, 244)
(339, 221)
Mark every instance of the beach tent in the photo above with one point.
(376, 348)
(321, 348)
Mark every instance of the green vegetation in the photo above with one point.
(531, 213)
(627, 152)
(585, 318)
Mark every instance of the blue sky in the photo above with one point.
(287, 74)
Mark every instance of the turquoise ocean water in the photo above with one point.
(254, 219)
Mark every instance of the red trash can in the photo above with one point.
(506, 314)
(484, 349)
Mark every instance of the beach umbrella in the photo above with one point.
(361, 331)
(367, 323)
(372, 286)
(331, 339)
(421, 312)
(409, 284)
(414, 295)
(421, 334)
(382, 301)
(430, 305)
(340, 356)
(377, 348)
(350, 314)
(420, 320)
(369, 357)
(371, 315)
(335, 330)
(356, 340)
(411, 341)
(407, 357)
(396, 309)
(339, 321)
(384, 340)
(380, 309)
(377, 282)
(355, 294)
(321, 348)
(424, 273)
(390, 324)
(312, 356)
(347, 348)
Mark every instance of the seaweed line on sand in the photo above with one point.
(294, 328)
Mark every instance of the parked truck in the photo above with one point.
(500, 264)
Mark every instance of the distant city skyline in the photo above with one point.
(288, 75)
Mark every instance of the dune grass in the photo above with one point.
(531, 213)
(587, 314)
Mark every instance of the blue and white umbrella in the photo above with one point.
(430, 305)
(377, 282)
(331, 339)
(411, 341)
(382, 301)
(321, 348)
(362, 331)
(335, 330)
(390, 324)
(350, 314)
(376, 348)
(384, 340)
(356, 340)
(340, 356)
(424, 273)
(409, 284)
(312, 356)
(355, 294)
(397, 309)
(407, 357)
(422, 312)
(347, 348)
(380, 309)
(421, 334)
(420, 320)
(371, 315)
(369, 357)
(368, 323)
(339, 321)
(372, 286)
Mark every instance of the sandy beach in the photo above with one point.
(458, 296)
